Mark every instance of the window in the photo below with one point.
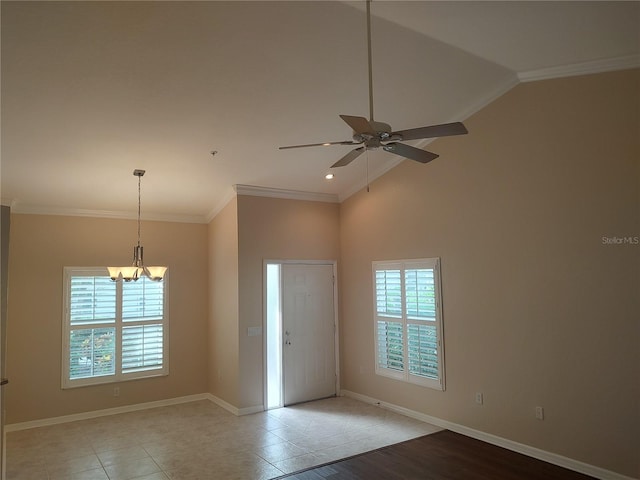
(408, 321)
(113, 331)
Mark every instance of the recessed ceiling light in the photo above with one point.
(329, 176)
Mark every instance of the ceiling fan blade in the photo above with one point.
(412, 153)
(325, 144)
(349, 157)
(358, 124)
(443, 130)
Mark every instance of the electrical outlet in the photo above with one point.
(479, 399)
(540, 413)
(116, 391)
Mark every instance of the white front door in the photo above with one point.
(308, 326)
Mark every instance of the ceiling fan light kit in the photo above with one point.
(372, 134)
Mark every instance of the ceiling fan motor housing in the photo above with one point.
(380, 127)
(379, 132)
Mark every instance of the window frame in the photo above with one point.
(118, 324)
(405, 375)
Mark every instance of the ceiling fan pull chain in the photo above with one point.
(367, 171)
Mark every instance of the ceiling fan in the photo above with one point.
(371, 134)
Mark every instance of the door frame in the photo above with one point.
(336, 335)
(4, 268)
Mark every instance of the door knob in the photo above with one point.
(4, 381)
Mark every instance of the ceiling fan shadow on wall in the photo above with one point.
(372, 134)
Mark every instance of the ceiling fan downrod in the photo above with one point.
(370, 61)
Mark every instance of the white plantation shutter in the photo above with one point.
(390, 346)
(389, 292)
(422, 339)
(142, 300)
(420, 293)
(92, 300)
(91, 333)
(114, 331)
(91, 352)
(408, 322)
(389, 329)
(422, 342)
(142, 335)
(142, 348)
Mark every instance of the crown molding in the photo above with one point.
(286, 194)
(584, 68)
(17, 207)
(231, 193)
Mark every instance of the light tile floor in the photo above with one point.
(200, 440)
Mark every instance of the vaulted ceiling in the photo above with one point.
(93, 90)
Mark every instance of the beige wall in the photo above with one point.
(274, 229)
(537, 311)
(223, 304)
(40, 247)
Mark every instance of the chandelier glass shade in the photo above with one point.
(137, 269)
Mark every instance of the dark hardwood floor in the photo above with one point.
(441, 456)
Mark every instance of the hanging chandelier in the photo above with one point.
(137, 268)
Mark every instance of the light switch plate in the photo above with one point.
(254, 331)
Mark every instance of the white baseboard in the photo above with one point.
(45, 422)
(235, 410)
(251, 410)
(548, 457)
(14, 427)
(221, 403)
